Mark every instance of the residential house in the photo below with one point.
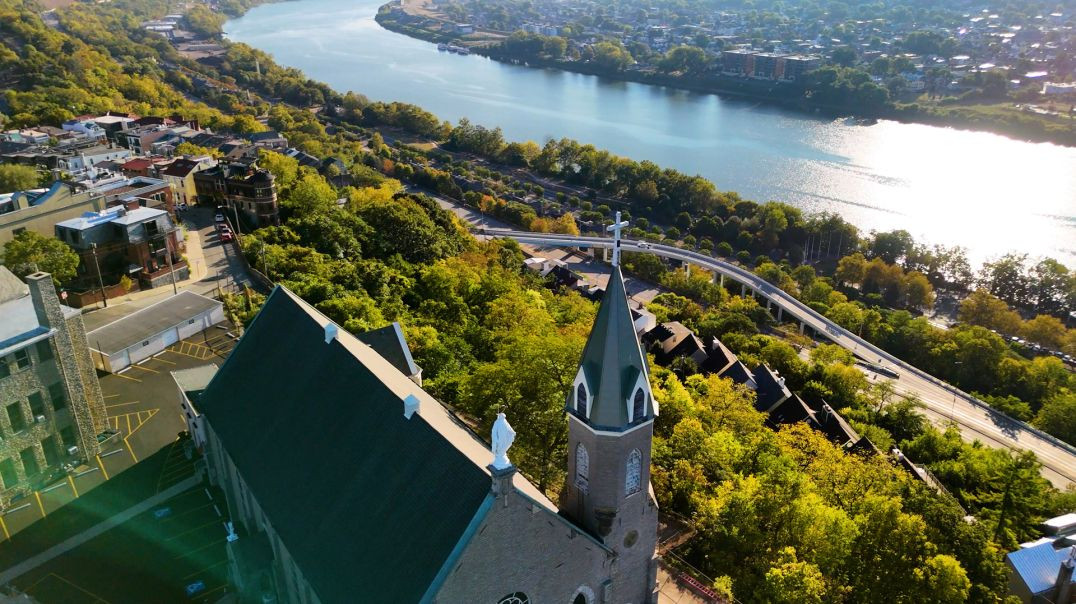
(672, 340)
(136, 242)
(180, 175)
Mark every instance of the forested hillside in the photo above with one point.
(780, 516)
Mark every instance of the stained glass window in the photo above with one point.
(633, 477)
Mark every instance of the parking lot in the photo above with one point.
(153, 557)
(142, 401)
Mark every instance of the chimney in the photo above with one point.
(330, 332)
(46, 303)
(1063, 585)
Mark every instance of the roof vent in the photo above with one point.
(410, 405)
(330, 332)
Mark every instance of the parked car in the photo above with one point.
(226, 237)
(219, 217)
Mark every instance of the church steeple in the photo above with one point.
(611, 391)
(610, 428)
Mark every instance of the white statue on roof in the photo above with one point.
(503, 435)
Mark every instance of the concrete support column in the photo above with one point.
(780, 311)
(801, 327)
(743, 290)
(722, 280)
(605, 254)
(768, 303)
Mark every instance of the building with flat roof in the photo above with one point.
(53, 406)
(144, 333)
(140, 243)
(240, 187)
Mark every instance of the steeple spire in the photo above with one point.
(611, 390)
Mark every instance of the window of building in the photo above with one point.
(638, 405)
(14, 415)
(29, 462)
(67, 437)
(22, 358)
(37, 404)
(8, 474)
(516, 598)
(51, 450)
(633, 476)
(582, 467)
(58, 395)
(581, 400)
(5, 367)
(44, 351)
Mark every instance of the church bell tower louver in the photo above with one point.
(611, 413)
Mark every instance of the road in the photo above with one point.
(944, 403)
(226, 270)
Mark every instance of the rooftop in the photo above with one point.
(148, 322)
(365, 499)
(18, 319)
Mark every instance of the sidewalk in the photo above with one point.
(71, 543)
(195, 262)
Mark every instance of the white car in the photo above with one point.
(219, 217)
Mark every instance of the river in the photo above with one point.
(986, 192)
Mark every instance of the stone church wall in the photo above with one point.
(524, 547)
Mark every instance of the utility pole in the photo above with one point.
(100, 280)
(238, 229)
(168, 256)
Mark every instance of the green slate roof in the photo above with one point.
(369, 504)
(612, 361)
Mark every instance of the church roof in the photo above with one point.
(612, 360)
(390, 343)
(365, 501)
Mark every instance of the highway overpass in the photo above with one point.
(944, 402)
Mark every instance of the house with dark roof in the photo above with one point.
(346, 482)
(672, 340)
(770, 389)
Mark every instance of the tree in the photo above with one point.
(918, 292)
(285, 170)
(982, 308)
(611, 55)
(942, 579)
(1045, 330)
(892, 246)
(791, 581)
(1058, 417)
(1007, 279)
(17, 177)
(844, 56)
(851, 269)
(29, 252)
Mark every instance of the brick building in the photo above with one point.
(53, 407)
(242, 187)
(346, 482)
(138, 242)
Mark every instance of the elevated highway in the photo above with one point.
(944, 402)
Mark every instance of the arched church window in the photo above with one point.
(638, 405)
(581, 400)
(580, 599)
(633, 477)
(582, 467)
(516, 598)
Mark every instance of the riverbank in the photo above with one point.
(1005, 119)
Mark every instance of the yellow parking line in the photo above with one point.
(164, 360)
(120, 375)
(206, 593)
(122, 404)
(111, 395)
(90, 593)
(195, 551)
(145, 368)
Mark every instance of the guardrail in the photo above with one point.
(798, 309)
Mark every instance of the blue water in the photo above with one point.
(983, 191)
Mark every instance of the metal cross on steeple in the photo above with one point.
(615, 230)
